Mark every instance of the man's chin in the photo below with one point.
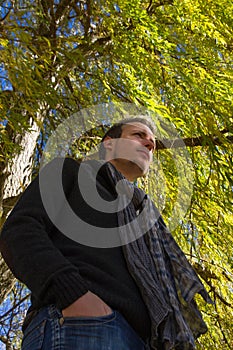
(140, 169)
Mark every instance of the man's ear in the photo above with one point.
(108, 143)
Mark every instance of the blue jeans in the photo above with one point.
(48, 330)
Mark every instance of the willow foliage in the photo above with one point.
(174, 57)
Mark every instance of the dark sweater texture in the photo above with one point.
(57, 269)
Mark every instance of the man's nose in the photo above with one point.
(148, 144)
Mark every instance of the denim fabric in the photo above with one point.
(48, 330)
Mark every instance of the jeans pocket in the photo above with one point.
(34, 335)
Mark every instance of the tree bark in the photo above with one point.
(15, 177)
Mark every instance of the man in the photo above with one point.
(86, 297)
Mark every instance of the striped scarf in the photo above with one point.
(165, 278)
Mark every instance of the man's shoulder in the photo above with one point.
(69, 168)
(67, 163)
(59, 162)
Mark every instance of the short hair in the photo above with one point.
(115, 131)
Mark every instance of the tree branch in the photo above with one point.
(61, 8)
(190, 142)
(15, 306)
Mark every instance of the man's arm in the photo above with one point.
(28, 250)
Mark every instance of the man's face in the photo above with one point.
(134, 149)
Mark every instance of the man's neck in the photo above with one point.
(127, 169)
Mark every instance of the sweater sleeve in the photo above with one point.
(27, 247)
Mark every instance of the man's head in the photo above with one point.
(129, 146)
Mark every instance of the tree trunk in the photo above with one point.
(15, 177)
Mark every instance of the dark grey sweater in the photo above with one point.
(59, 270)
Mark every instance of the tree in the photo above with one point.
(173, 57)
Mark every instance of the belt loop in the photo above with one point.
(54, 312)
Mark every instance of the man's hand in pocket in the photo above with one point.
(89, 305)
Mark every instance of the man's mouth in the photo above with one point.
(146, 153)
